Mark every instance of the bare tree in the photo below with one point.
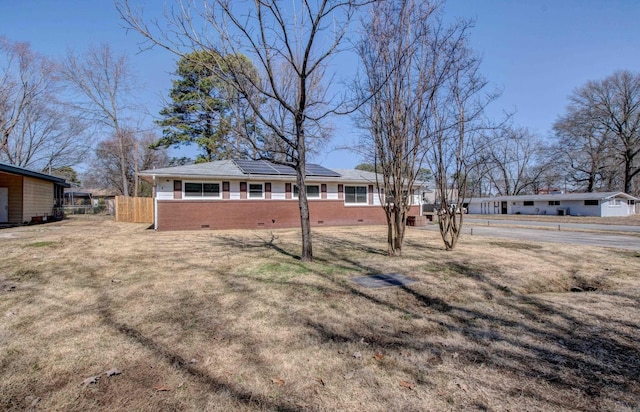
(35, 130)
(611, 108)
(511, 157)
(585, 147)
(403, 72)
(46, 138)
(424, 100)
(457, 121)
(103, 86)
(290, 48)
(106, 169)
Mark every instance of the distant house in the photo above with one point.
(603, 204)
(246, 194)
(27, 196)
(95, 200)
(73, 198)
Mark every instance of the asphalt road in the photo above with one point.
(532, 223)
(581, 237)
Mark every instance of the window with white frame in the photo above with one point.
(313, 191)
(256, 191)
(201, 190)
(355, 194)
(392, 195)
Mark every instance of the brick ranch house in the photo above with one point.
(27, 196)
(247, 194)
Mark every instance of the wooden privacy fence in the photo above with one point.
(134, 209)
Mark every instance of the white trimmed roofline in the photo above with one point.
(228, 170)
(559, 196)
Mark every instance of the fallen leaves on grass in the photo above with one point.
(112, 372)
(277, 381)
(407, 385)
(90, 380)
(162, 388)
(33, 400)
(320, 380)
(378, 356)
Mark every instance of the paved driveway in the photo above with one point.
(596, 238)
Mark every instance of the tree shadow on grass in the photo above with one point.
(176, 360)
(566, 359)
(261, 243)
(529, 337)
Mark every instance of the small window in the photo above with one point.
(528, 203)
(554, 203)
(405, 197)
(201, 189)
(616, 202)
(355, 194)
(313, 192)
(256, 191)
(591, 202)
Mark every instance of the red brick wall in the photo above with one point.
(253, 214)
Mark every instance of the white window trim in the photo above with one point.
(249, 190)
(615, 202)
(366, 196)
(294, 195)
(184, 192)
(405, 194)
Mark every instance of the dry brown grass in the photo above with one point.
(233, 321)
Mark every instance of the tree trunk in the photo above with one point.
(303, 203)
(628, 160)
(400, 222)
(136, 190)
(450, 224)
(305, 223)
(391, 229)
(123, 163)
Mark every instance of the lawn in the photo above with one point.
(232, 320)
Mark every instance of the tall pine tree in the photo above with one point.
(200, 110)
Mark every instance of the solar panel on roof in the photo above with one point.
(317, 170)
(264, 167)
(283, 169)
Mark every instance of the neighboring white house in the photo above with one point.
(576, 204)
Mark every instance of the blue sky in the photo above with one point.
(536, 51)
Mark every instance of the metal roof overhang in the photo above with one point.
(20, 171)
